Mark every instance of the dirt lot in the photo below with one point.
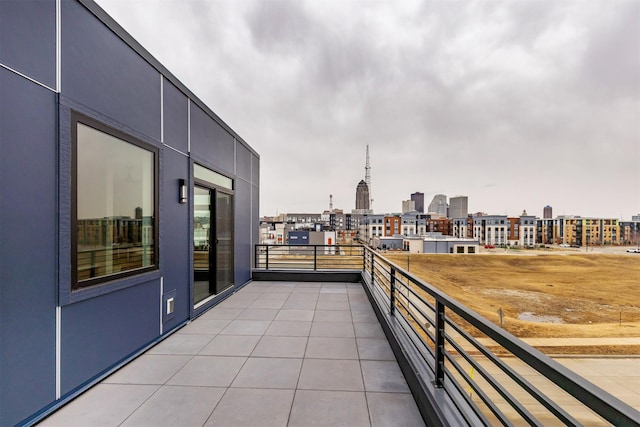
(542, 295)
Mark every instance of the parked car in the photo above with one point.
(488, 246)
(564, 245)
(634, 250)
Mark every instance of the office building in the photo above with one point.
(408, 206)
(418, 198)
(438, 205)
(459, 207)
(362, 197)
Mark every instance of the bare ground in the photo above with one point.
(569, 295)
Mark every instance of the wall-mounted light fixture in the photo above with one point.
(182, 197)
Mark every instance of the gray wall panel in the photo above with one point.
(99, 332)
(210, 143)
(176, 117)
(255, 171)
(27, 247)
(28, 38)
(102, 72)
(243, 249)
(243, 162)
(255, 215)
(175, 242)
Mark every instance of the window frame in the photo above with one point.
(75, 285)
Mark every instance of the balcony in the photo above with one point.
(376, 347)
(272, 354)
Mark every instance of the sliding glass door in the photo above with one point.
(213, 270)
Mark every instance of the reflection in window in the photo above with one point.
(115, 204)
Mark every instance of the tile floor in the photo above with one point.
(273, 354)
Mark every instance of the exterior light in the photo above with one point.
(182, 197)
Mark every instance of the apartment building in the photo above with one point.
(579, 231)
(127, 208)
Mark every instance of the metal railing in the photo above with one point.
(485, 375)
(492, 377)
(309, 257)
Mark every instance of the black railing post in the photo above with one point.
(372, 268)
(315, 257)
(439, 344)
(266, 259)
(392, 298)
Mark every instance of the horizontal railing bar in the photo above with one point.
(481, 394)
(495, 384)
(533, 391)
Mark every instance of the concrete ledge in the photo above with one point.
(350, 276)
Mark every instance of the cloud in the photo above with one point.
(533, 97)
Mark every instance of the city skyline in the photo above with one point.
(517, 105)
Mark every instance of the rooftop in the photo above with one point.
(272, 354)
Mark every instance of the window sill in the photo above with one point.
(72, 297)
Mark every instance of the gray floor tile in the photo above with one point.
(212, 371)
(301, 302)
(329, 408)
(267, 303)
(246, 327)
(333, 297)
(289, 328)
(258, 314)
(149, 369)
(272, 346)
(195, 405)
(231, 345)
(237, 301)
(103, 405)
(364, 316)
(374, 349)
(181, 344)
(333, 289)
(295, 315)
(360, 305)
(322, 374)
(306, 290)
(332, 329)
(253, 407)
(333, 305)
(368, 330)
(332, 316)
(276, 296)
(331, 348)
(393, 409)
(222, 313)
(383, 376)
(268, 372)
(205, 326)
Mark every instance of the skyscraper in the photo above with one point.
(547, 212)
(418, 198)
(408, 206)
(362, 196)
(439, 205)
(458, 207)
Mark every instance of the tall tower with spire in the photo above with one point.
(367, 178)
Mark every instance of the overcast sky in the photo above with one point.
(515, 104)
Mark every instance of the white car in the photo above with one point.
(564, 245)
(634, 250)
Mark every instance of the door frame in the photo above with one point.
(198, 308)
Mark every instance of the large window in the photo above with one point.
(114, 197)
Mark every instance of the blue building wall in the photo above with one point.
(104, 74)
